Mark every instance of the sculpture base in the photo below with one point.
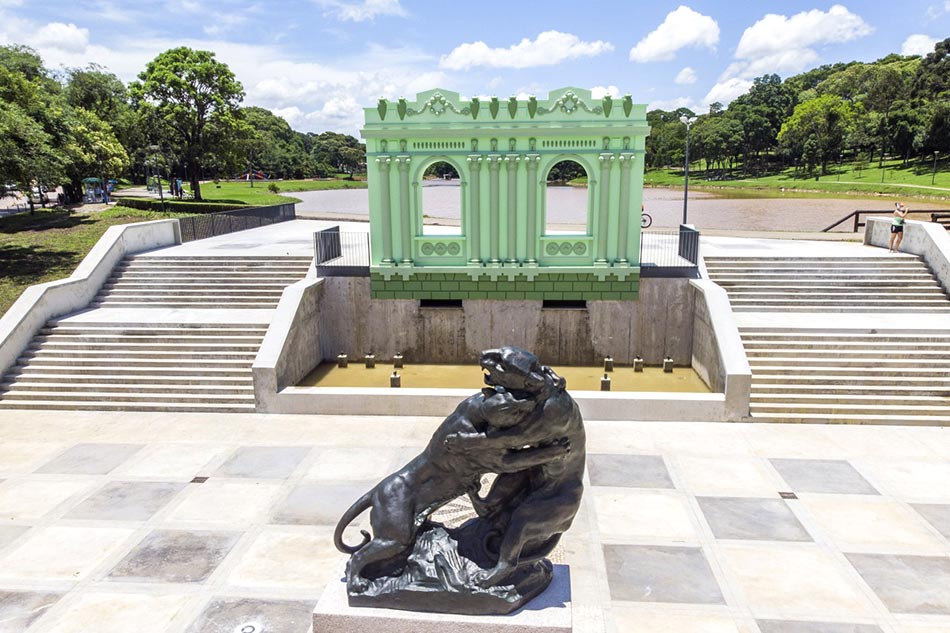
(550, 612)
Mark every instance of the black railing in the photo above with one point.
(338, 254)
(199, 227)
(859, 222)
(943, 219)
(669, 252)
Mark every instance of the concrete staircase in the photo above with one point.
(145, 345)
(200, 282)
(847, 375)
(898, 283)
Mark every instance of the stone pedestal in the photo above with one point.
(548, 613)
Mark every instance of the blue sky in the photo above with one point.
(317, 62)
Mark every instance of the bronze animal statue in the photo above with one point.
(402, 502)
(525, 428)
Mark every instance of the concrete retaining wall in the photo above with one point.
(718, 354)
(927, 239)
(657, 325)
(42, 302)
(291, 347)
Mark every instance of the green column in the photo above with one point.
(475, 243)
(387, 219)
(605, 160)
(531, 164)
(512, 162)
(494, 163)
(626, 162)
(404, 215)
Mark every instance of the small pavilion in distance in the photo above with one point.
(503, 151)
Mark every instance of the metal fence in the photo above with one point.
(339, 254)
(669, 252)
(198, 227)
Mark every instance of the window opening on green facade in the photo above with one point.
(567, 199)
(441, 200)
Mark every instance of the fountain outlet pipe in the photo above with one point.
(605, 383)
(370, 360)
(342, 360)
(397, 361)
(395, 380)
(667, 365)
(638, 364)
(608, 363)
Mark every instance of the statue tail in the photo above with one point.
(355, 510)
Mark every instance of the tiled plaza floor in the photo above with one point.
(188, 523)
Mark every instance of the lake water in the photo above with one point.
(567, 205)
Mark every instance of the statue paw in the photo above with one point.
(357, 585)
(490, 577)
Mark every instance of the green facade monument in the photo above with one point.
(503, 151)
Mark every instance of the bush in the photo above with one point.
(273, 188)
(150, 204)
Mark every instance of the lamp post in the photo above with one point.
(933, 174)
(687, 121)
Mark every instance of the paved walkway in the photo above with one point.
(106, 528)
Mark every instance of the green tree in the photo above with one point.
(192, 93)
(816, 130)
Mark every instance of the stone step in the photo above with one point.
(245, 390)
(206, 305)
(798, 345)
(197, 295)
(818, 379)
(40, 376)
(205, 258)
(106, 396)
(211, 268)
(844, 391)
(849, 267)
(185, 356)
(891, 257)
(205, 276)
(839, 334)
(892, 295)
(277, 286)
(43, 343)
(125, 326)
(174, 370)
(854, 287)
(824, 418)
(47, 360)
(840, 308)
(851, 409)
(78, 405)
(850, 399)
(824, 274)
(802, 360)
(923, 354)
(871, 372)
(49, 335)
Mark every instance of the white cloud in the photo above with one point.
(682, 27)
(598, 92)
(672, 104)
(918, 45)
(775, 34)
(548, 49)
(364, 10)
(221, 23)
(65, 37)
(727, 90)
(935, 11)
(686, 76)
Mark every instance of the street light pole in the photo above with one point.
(933, 174)
(687, 121)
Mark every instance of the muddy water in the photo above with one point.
(567, 205)
(683, 379)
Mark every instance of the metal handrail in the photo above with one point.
(857, 217)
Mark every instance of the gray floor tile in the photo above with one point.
(319, 504)
(749, 518)
(227, 615)
(789, 626)
(19, 609)
(263, 462)
(822, 475)
(175, 556)
(938, 515)
(628, 471)
(652, 573)
(907, 584)
(126, 501)
(9, 533)
(90, 459)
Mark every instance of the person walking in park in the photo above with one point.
(897, 227)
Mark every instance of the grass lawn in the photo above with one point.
(911, 180)
(50, 244)
(231, 190)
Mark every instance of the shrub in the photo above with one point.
(273, 188)
(150, 204)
